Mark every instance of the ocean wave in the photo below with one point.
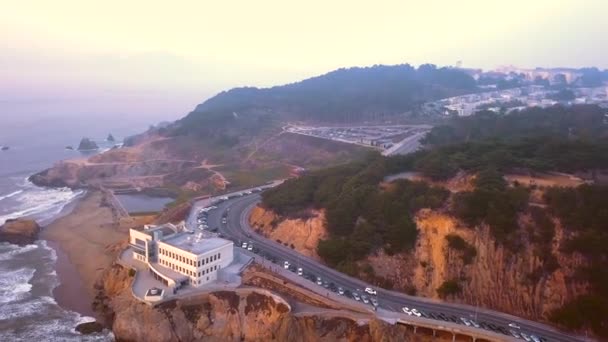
(8, 251)
(14, 285)
(10, 195)
(40, 203)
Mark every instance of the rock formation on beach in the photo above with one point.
(19, 231)
(87, 144)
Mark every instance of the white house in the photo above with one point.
(178, 258)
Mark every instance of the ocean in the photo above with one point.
(28, 311)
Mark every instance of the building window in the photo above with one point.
(199, 263)
(219, 255)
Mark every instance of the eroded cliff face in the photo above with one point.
(496, 278)
(241, 315)
(303, 233)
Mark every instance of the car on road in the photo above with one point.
(514, 333)
(286, 265)
(300, 271)
(340, 291)
(526, 337)
(406, 310)
(250, 246)
(514, 325)
(224, 198)
(247, 192)
(325, 284)
(356, 296)
(370, 291)
(374, 301)
(365, 299)
(475, 324)
(224, 220)
(244, 245)
(465, 321)
(256, 190)
(416, 313)
(535, 338)
(319, 281)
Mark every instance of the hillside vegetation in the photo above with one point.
(344, 95)
(363, 217)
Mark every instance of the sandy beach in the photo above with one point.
(81, 240)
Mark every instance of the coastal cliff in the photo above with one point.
(492, 277)
(301, 233)
(241, 315)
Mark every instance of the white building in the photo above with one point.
(178, 258)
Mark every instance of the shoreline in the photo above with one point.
(70, 294)
(82, 236)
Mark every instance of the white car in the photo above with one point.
(319, 281)
(370, 291)
(250, 247)
(416, 313)
(356, 296)
(365, 299)
(374, 301)
(526, 337)
(513, 325)
(300, 271)
(465, 321)
(535, 338)
(244, 245)
(340, 291)
(247, 192)
(224, 198)
(286, 265)
(406, 310)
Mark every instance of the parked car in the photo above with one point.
(300, 271)
(406, 310)
(286, 265)
(514, 325)
(250, 246)
(374, 301)
(340, 291)
(416, 313)
(356, 296)
(244, 245)
(465, 321)
(365, 299)
(319, 281)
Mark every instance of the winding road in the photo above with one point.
(236, 211)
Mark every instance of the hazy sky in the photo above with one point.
(161, 58)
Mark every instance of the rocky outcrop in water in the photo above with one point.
(19, 231)
(87, 144)
(110, 138)
(5, 148)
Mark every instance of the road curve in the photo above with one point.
(237, 228)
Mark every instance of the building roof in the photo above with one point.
(195, 244)
(166, 230)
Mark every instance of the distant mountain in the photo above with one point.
(343, 95)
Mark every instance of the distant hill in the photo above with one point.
(343, 95)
